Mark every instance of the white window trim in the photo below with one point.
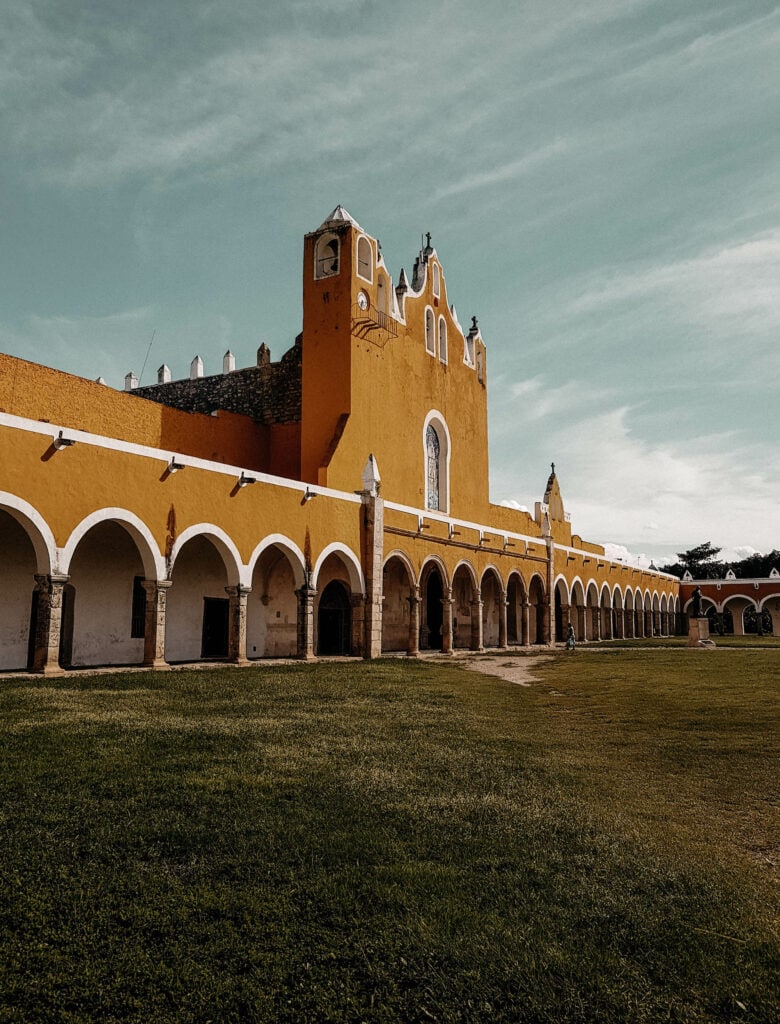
(437, 421)
(443, 325)
(362, 277)
(429, 312)
(321, 242)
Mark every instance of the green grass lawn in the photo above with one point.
(396, 841)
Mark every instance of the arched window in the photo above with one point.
(364, 260)
(436, 462)
(432, 468)
(430, 335)
(326, 256)
(468, 351)
(436, 281)
(442, 339)
(480, 367)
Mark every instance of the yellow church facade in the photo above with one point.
(333, 503)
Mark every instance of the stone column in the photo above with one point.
(565, 620)
(476, 625)
(48, 624)
(546, 637)
(306, 596)
(237, 624)
(656, 623)
(595, 616)
(773, 608)
(413, 646)
(581, 634)
(357, 638)
(502, 613)
(526, 613)
(372, 550)
(446, 622)
(620, 623)
(154, 622)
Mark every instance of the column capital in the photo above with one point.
(155, 586)
(239, 590)
(52, 579)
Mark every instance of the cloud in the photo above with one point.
(615, 483)
(506, 173)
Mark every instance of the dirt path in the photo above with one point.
(514, 670)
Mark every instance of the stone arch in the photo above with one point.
(639, 613)
(618, 613)
(434, 591)
(577, 608)
(465, 606)
(647, 605)
(539, 611)
(198, 605)
(737, 605)
(291, 550)
(629, 613)
(108, 558)
(562, 603)
(592, 612)
(153, 561)
(222, 543)
(277, 573)
(516, 599)
(664, 612)
(338, 606)
(492, 598)
(351, 563)
(36, 528)
(605, 606)
(399, 612)
(27, 550)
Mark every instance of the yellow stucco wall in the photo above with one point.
(36, 392)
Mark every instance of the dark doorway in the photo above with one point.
(434, 612)
(216, 613)
(66, 628)
(334, 620)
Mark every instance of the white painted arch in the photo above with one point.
(290, 549)
(351, 563)
(236, 570)
(435, 560)
(36, 528)
(153, 561)
(491, 568)
(405, 561)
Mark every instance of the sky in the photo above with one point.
(601, 180)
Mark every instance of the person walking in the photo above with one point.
(570, 638)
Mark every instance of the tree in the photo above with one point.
(699, 562)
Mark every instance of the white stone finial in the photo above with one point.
(100, 380)
(228, 362)
(196, 368)
(131, 381)
(371, 478)
(164, 374)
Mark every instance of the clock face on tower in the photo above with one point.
(362, 300)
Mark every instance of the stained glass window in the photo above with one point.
(432, 452)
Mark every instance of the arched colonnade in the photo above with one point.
(109, 596)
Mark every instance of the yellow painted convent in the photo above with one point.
(332, 503)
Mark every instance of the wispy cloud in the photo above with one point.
(507, 172)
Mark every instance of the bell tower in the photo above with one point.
(328, 258)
